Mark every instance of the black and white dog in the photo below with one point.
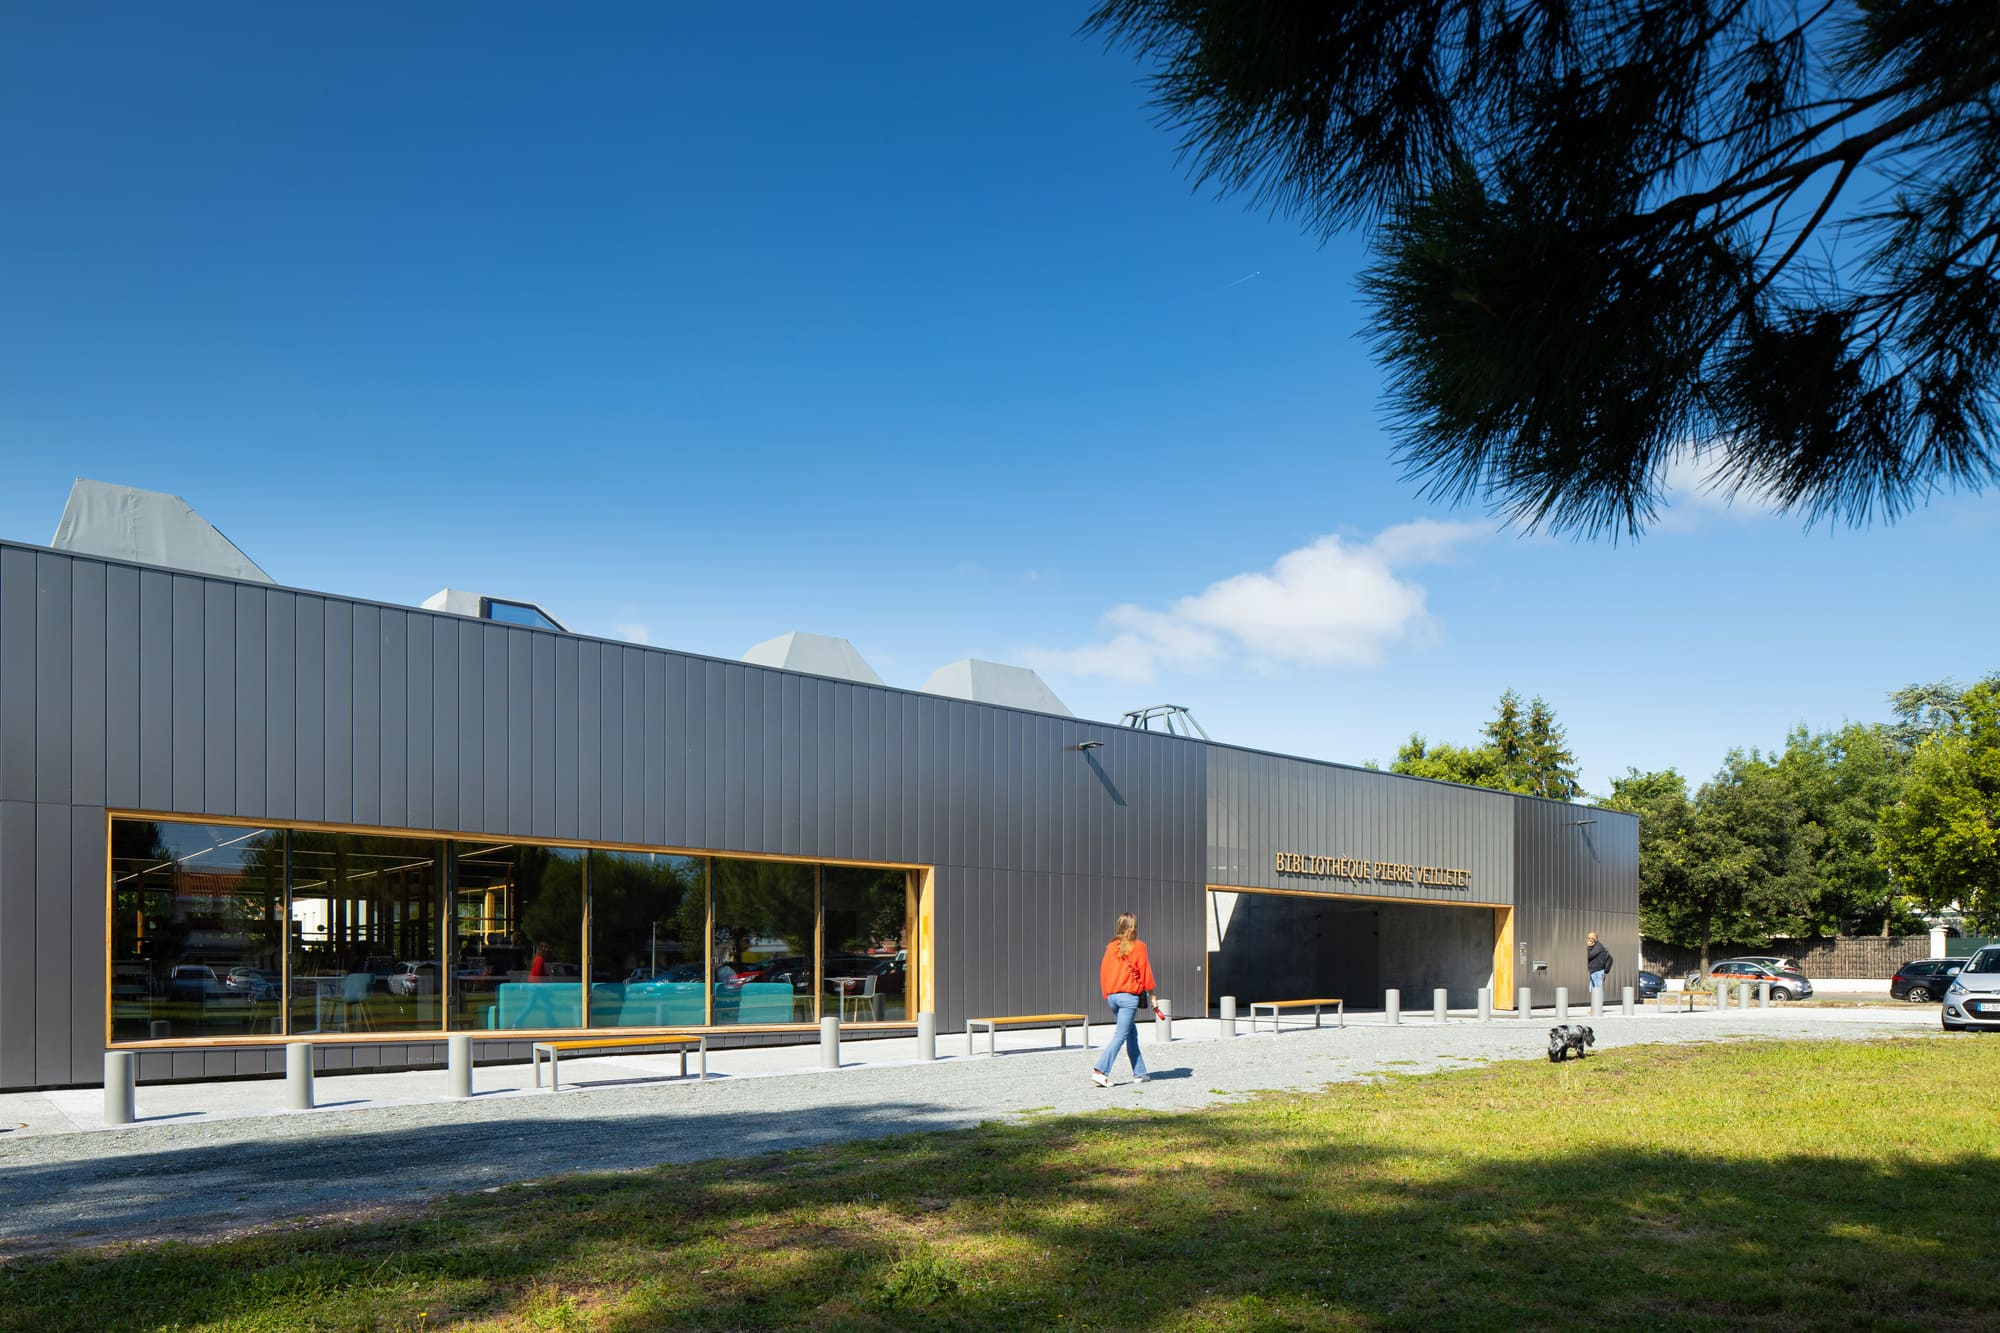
(1567, 1039)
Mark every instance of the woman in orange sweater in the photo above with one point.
(1126, 976)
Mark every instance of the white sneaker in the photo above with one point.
(1100, 1078)
(1143, 1078)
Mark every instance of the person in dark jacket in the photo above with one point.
(1598, 960)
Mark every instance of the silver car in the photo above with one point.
(1972, 1001)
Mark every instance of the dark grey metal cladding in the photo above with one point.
(142, 688)
(1262, 804)
(1576, 870)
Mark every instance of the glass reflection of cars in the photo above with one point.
(678, 973)
(197, 982)
(256, 982)
(416, 979)
(888, 974)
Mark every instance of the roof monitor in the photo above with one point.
(505, 611)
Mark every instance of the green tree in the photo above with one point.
(1942, 839)
(1507, 740)
(1527, 755)
(1475, 766)
(1606, 234)
(1749, 856)
(1660, 800)
(1734, 863)
(1843, 781)
(1930, 709)
(1545, 752)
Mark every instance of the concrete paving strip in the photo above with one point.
(210, 1158)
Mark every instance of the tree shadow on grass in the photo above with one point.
(1293, 1212)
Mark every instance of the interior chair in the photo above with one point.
(355, 989)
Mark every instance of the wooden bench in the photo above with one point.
(672, 1040)
(993, 1025)
(1275, 1007)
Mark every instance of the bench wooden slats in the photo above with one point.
(553, 1050)
(994, 1023)
(1275, 1007)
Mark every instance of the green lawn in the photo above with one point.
(1756, 1184)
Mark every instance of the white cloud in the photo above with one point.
(632, 632)
(1330, 603)
(1692, 487)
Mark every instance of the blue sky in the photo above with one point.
(899, 323)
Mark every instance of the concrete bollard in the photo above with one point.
(1166, 1018)
(1631, 999)
(1597, 1001)
(1229, 1015)
(299, 1076)
(121, 1102)
(1743, 996)
(458, 1065)
(1440, 1004)
(1392, 1007)
(1562, 1004)
(926, 1035)
(1763, 995)
(1486, 1004)
(829, 1042)
(1524, 1004)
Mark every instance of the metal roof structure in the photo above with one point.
(996, 683)
(815, 655)
(149, 528)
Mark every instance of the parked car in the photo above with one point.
(1650, 985)
(1922, 980)
(677, 973)
(198, 982)
(254, 982)
(1786, 983)
(1972, 1000)
(416, 979)
(889, 976)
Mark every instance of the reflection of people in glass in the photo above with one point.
(539, 969)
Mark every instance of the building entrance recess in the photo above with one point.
(1286, 946)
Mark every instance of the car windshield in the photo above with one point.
(1986, 960)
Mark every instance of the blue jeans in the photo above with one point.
(1125, 1013)
(1597, 980)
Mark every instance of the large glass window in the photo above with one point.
(762, 955)
(517, 935)
(366, 925)
(232, 931)
(648, 924)
(867, 914)
(197, 916)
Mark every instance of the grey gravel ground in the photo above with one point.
(202, 1177)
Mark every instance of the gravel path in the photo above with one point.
(170, 1179)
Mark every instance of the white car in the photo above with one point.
(415, 979)
(1972, 1001)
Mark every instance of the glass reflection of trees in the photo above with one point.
(765, 919)
(367, 919)
(196, 930)
(866, 913)
(518, 931)
(648, 916)
(208, 920)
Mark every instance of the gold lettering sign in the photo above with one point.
(1380, 872)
